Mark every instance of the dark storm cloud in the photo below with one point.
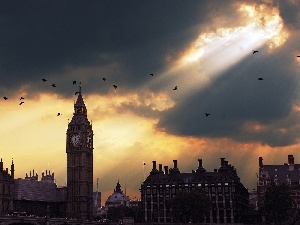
(290, 12)
(238, 98)
(42, 38)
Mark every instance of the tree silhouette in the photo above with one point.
(277, 203)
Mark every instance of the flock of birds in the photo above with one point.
(115, 87)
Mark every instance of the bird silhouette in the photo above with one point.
(21, 103)
(207, 114)
(5, 98)
(74, 82)
(59, 114)
(77, 92)
(115, 86)
(259, 78)
(298, 56)
(151, 74)
(175, 88)
(44, 80)
(21, 98)
(53, 85)
(254, 51)
(104, 78)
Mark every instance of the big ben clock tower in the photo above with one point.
(79, 148)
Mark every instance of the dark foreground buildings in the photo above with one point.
(228, 195)
(39, 197)
(288, 173)
(6, 188)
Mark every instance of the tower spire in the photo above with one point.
(80, 87)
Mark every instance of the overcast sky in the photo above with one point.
(205, 48)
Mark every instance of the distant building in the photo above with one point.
(117, 198)
(6, 189)
(253, 200)
(97, 202)
(228, 195)
(39, 197)
(288, 173)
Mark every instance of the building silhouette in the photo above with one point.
(117, 198)
(229, 198)
(6, 188)
(288, 173)
(39, 197)
(79, 148)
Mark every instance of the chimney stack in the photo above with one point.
(199, 163)
(291, 162)
(154, 170)
(260, 162)
(290, 159)
(200, 166)
(175, 164)
(166, 170)
(154, 165)
(160, 168)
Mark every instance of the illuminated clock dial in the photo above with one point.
(76, 139)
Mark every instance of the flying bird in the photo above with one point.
(59, 114)
(53, 85)
(21, 98)
(77, 92)
(104, 78)
(21, 103)
(74, 82)
(259, 78)
(5, 98)
(115, 86)
(298, 56)
(254, 51)
(207, 114)
(44, 80)
(175, 88)
(151, 74)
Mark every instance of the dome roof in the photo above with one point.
(118, 197)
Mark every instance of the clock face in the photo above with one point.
(76, 139)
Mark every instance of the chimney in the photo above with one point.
(199, 163)
(153, 163)
(154, 170)
(166, 170)
(175, 164)
(175, 169)
(200, 167)
(160, 168)
(222, 162)
(226, 163)
(260, 162)
(291, 162)
(290, 159)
